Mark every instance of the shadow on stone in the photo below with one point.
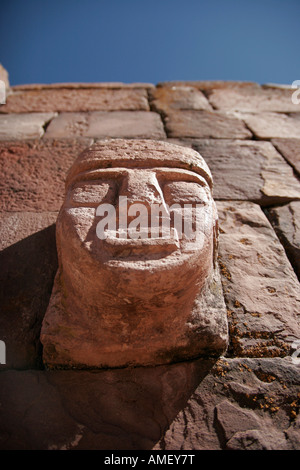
(284, 220)
(27, 271)
(119, 409)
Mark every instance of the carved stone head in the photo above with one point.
(137, 282)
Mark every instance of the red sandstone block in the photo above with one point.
(23, 126)
(164, 99)
(123, 124)
(33, 173)
(75, 100)
(209, 85)
(290, 149)
(273, 125)
(256, 100)
(249, 170)
(241, 404)
(261, 289)
(286, 222)
(205, 124)
(78, 85)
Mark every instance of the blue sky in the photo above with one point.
(44, 41)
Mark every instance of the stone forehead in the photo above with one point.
(121, 153)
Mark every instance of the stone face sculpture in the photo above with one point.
(138, 280)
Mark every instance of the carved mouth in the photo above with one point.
(121, 243)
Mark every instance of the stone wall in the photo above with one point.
(250, 137)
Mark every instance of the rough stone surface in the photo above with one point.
(248, 170)
(261, 290)
(114, 298)
(33, 173)
(248, 400)
(272, 125)
(164, 99)
(253, 100)
(111, 410)
(205, 124)
(286, 222)
(209, 85)
(240, 404)
(23, 126)
(126, 124)
(74, 100)
(28, 266)
(290, 149)
(81, 86)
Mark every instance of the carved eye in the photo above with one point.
(93, 193)
(185, 192)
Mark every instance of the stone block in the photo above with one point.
(82, 86)
(204, 124)
(93, 410)
(290, 149)
(164, 99)
(123, 124)
(76, 100)
(234, 404)
(33, 173)
(261, 289)
(208, 85)
(254, 100)
(242, 404)
(272, 125)
(248, 170)
(286, 222)
(23, 126)
(28, 266)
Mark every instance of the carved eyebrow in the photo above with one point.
(109, 173)
(177, 174)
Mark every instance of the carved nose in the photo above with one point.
(140, 187)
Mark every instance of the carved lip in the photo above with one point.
(117, 244)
